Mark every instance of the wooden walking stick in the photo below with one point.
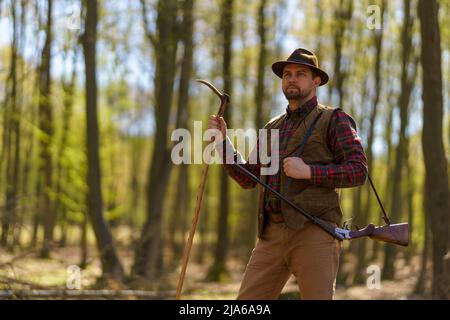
(224, 99)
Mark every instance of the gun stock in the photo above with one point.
(394, 233)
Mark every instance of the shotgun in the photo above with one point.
(390, 233)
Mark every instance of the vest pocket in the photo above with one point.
(318, 200)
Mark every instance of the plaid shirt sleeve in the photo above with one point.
(231, 156)
(349, 168)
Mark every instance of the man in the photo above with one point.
(332, 158)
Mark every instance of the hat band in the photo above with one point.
(303, 61)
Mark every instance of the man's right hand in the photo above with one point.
(218, 123)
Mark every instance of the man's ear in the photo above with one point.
(317, 80)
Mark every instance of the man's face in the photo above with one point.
(298, 81)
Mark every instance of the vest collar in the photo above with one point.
(304, 110)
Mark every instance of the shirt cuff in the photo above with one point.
(230, 156)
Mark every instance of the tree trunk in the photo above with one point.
(180, 214)
(387, 138)
(46, 126)
(407, 82)
(437, 193)
(148, 258)
(11, 141)
(218, 269)
(68, 87)
(421, 279)
(136, 155)
(319, 14)
(203, 225)
(360, 276)
(83, 243)
(20, 214)
(182, 209)
(111, 266)
(410, 190)
(249, 219)
(260, 112)
(244, 240)
(260, 96)
(36, 223)
(343, 15)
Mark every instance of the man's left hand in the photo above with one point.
(296, 168)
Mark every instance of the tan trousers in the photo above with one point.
(311, 254)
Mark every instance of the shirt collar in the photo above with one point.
(303, 110)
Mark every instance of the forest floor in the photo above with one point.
(401, 288)
(22, 272)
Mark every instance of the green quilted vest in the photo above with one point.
(318, 201)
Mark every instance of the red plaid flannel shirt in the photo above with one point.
(349, 168)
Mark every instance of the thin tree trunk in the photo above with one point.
(28, 169)
(246, 223)
(280, 32)
(182, 208)
(387, 138)
(19, 215)
(83, 243)
(358, 217)
(407, 82)
(437, 192)
(343, 15)
(135, 185)
(410, 190)
(61, 174)
(12, 141)
(206, 210)
(362, 245)
(36, 222)
(260, 97)
(249, 219)
(262, 63)
(46, 126)
(319, 15)
(179, 214)
(148, 257)
(203, 225)
(218, 269)
(110, 262)
(421, 279)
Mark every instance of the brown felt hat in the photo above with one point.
(303, 57)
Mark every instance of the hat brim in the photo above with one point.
(278, 67)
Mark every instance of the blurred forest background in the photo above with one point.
(90, 92)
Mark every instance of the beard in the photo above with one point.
(296, 94)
